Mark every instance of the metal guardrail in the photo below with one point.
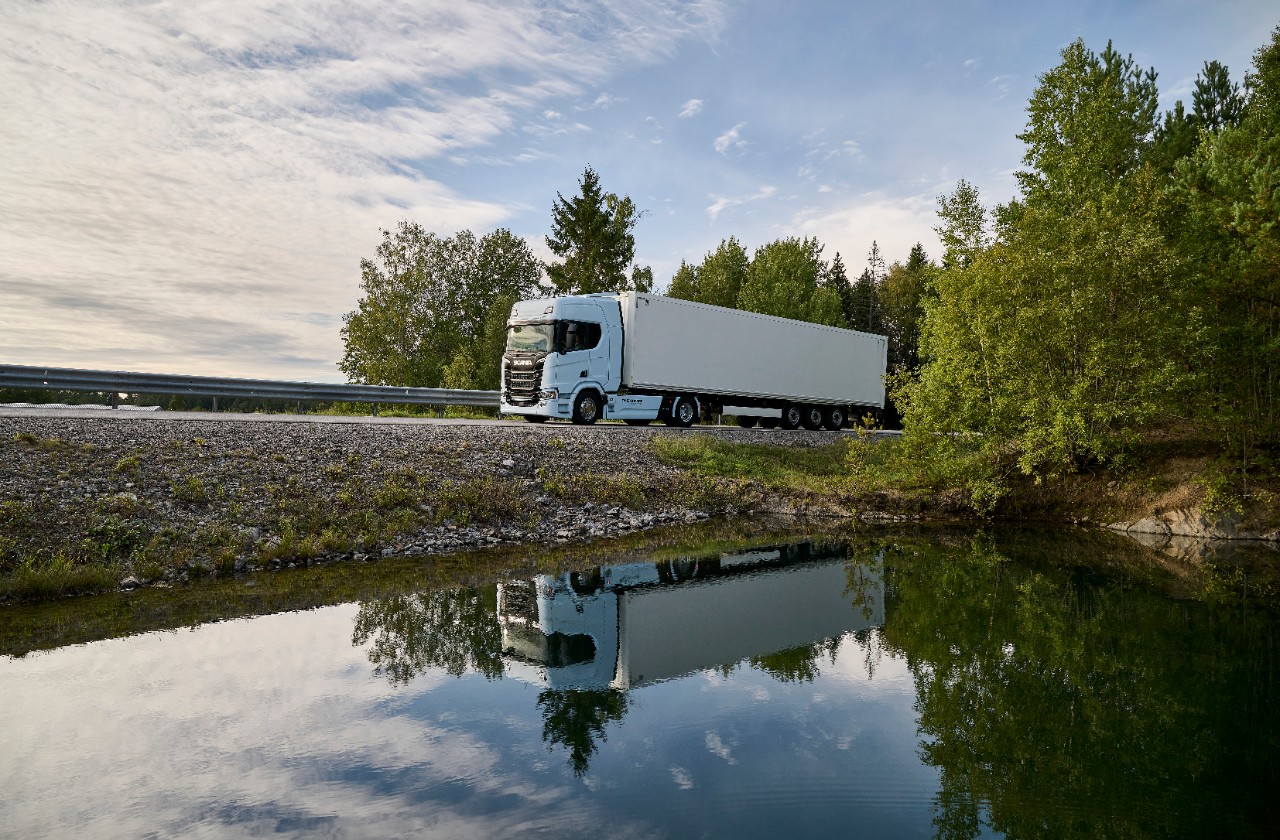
(122, 382)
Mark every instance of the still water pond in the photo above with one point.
(919, 686)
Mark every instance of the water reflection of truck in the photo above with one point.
(640, 357)
(629, 625)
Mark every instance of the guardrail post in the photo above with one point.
(440, 411)
(299, 406)
(375, 409)
(215, 405)
(115, 400)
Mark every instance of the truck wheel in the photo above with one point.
(834, 418)
(792, 417)
(748, 422)
(535, 418)
(812, 419)
(684, 413)
(586, 408)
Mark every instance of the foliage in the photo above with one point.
(592, 235)
(1088, 122)
(455, 630)
(434, 308)
(717, 280)
(787, 278)
(1036, 692)
(1069, 332)
(1230, 192)
(901, 303)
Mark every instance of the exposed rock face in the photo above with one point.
(1190, 536)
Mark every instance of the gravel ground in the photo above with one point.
(168, 495)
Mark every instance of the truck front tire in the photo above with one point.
(586, 408)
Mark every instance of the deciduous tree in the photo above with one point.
(429, 304)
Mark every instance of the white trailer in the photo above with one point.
(629, 626)
(643, 357)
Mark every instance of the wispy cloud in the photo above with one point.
(602, 102)
(721, 203)
(848, 148)
(691, 108)
(231, 167)
(1000, 84)
(731, 139)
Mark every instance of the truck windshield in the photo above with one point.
(531, 337)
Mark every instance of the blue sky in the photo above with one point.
(189, 187)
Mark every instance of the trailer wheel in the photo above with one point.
(586, 408)
(834, 418)
(792, 417)
(812, 419)
(684, 413)
(748, 422)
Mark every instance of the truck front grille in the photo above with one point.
(523, 381)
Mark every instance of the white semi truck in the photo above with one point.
(631, 625)
(643, 357)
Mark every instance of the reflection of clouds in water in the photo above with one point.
(718, 747)
(682, 778)
(248, 726)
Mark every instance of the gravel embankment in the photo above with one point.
(162, 497)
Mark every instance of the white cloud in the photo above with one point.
(719, 748)
(731, 139)
(848, 148)
(720, 203)
(603, 102)
(1001, 85)
(895, 223)
(682, 777)
(691, 108)
(182, 176)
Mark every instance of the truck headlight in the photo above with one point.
(549, 395)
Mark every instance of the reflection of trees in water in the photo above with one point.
(1063, 709)
(576, 720)
(452, 629)
(797, 664)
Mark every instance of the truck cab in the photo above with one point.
(563, 357)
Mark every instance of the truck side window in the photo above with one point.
(580, 335)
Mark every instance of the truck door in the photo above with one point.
(586, 347)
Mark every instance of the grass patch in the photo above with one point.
(55, 576)
(777, 467)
